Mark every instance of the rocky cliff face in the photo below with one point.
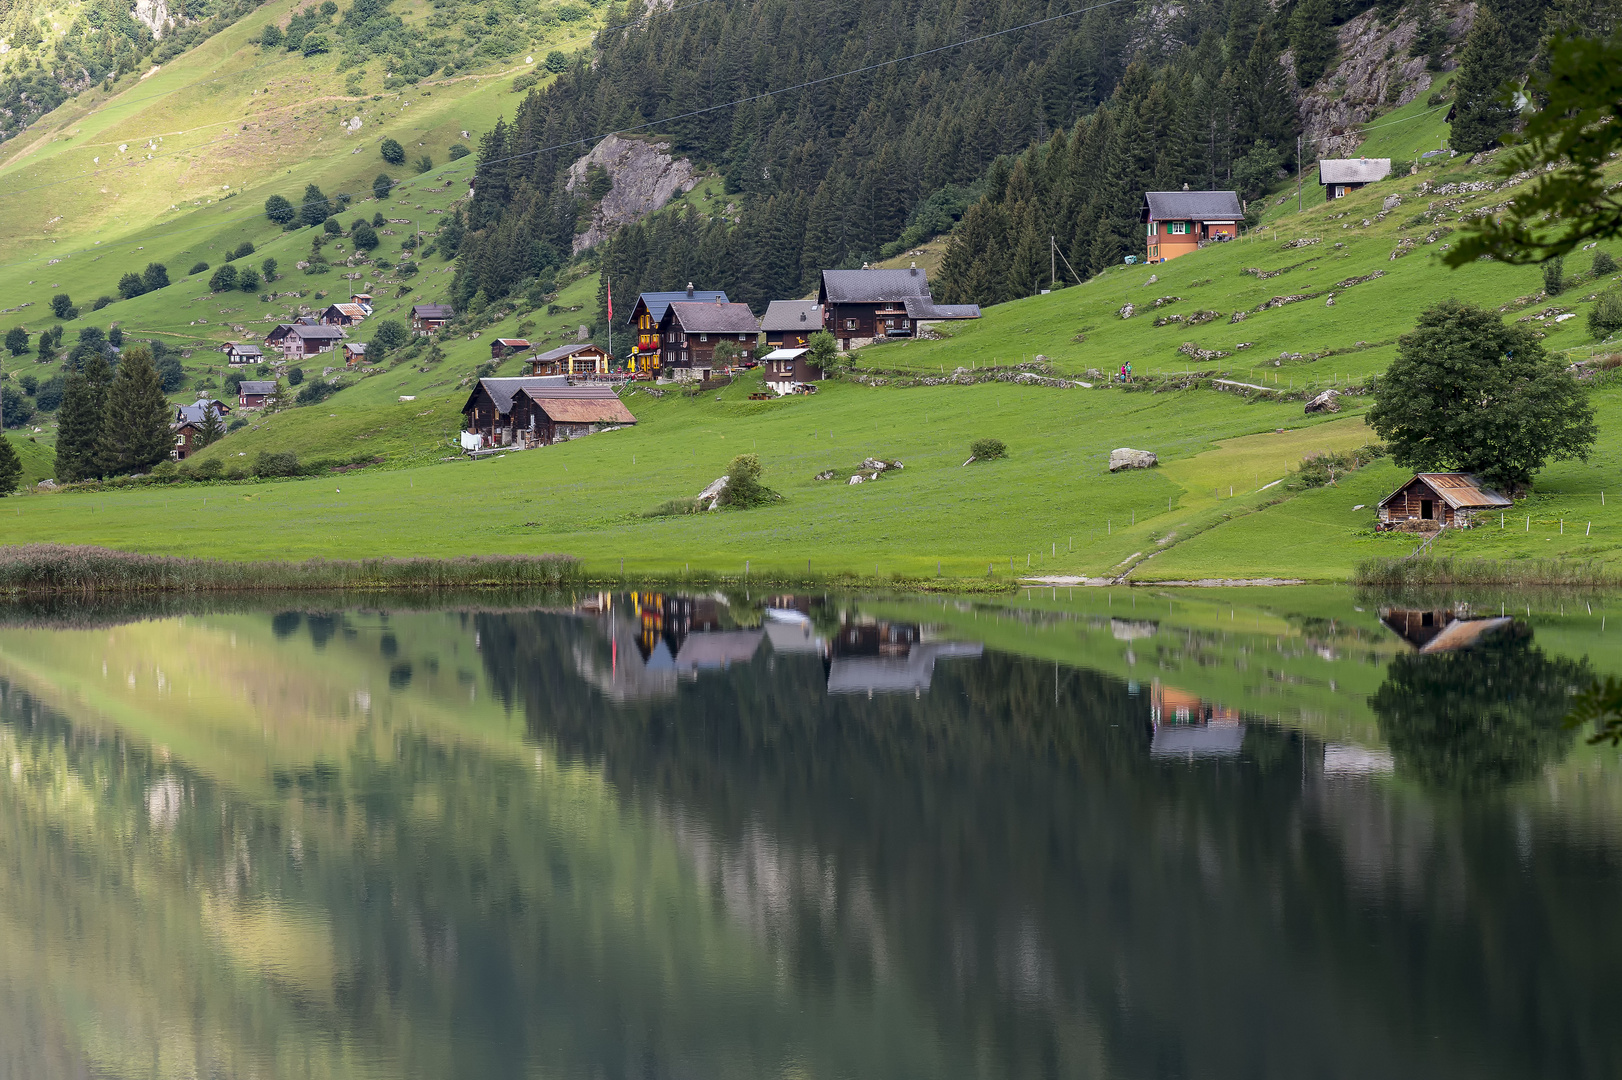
(1374, 74)
(154, 13)
(645, 177)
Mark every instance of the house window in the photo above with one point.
(1179, 228)
(742, 338)
(1151, 228)
(850, 324)
(703, 337)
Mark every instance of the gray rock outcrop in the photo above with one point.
(1125, 458)
(645, 178)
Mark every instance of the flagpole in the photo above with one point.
(610, 323)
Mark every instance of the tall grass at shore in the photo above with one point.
(32, 569)
(1444, 570)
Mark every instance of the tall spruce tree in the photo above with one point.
(1480, 113)
(11, 467)
(135, 435)
(84, 406)
(1312, 41)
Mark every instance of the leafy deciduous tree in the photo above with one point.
(392, 152)
(1467, 393)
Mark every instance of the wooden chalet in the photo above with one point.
(503, 347)
(1449, 499)
(302, 341)
(275, 338)
(238, 353)
(363, 299)
(525, 412)
(647, 356)
(354, 352)
(789, 369)
(581, 359)
(863, 306)
(691, 331)
(254, 394)
(344, 315)
(1342, 176)
(789, 324)
(427, 318)
(189, 422)
(1179, 222)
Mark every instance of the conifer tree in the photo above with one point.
(11, 468)
(212, 430)
(84, 403)
(1311, 40)
(1486, 65)
(135, 435)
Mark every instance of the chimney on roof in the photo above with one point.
(865, 266)
(1185, 187)
(914, 270)
(689, 288)
(802, 316)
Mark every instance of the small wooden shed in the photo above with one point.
(1449, 499)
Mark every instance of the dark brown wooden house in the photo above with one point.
(789, 324)
(189, 422)
(344, 315)
(1449, 499)
(691, 331)
(301, 342)
(1342, 176)
(864, 306)
(503, 347)
(254, 394)
(582, 359)
(427, 318)
(532, 411)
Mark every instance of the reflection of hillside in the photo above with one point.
(1007, 846)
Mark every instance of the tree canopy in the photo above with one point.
(1468, 393)
(135, 432)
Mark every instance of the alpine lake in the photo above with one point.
(1128, 833)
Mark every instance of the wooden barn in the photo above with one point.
(503, 347)
(527, 412)
(354, 352)
(254, 394)
(582, 359)
(1449, 499)
(1179, 222)
(344, 315)
(789, 369)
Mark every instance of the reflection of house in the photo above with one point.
(716, 650)
(1447, 498)
(888, 658)
(790, 631)
(1439, 629)
(1186, 726)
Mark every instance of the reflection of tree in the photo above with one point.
(1478, 718)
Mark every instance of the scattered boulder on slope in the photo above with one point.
(1125, 458)
(710, 497)
(1328, 401)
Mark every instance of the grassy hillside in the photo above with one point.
(1211, 510)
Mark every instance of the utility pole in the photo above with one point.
(1053, 259)
(1298, 165)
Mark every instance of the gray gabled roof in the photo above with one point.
(872, 286)
(567, 351)
(501, 391)
(432, 311)
(659, 302)
(714, 318)
(1194, 205)
(197, 412)
(925, 308)
(1353, 170)
(318, 333)
(258, 387)
(792, 316)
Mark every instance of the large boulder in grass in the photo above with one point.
(1125, 458)
(1328, 401)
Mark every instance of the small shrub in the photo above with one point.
(744, 488)
(243, 250)
(1604, 265)
(314, 393)
(423, 164)
(988, 449)
(674, 508)
(201, 267)
(236, 472)
(101, 302)
(236, 425)
(1328, 467)
(276, 463)
(209, 470)
(458, 152)
(295, 376)
(392, 152)
(1605, 317)
(556, 61)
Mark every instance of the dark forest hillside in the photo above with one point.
(1052, 126)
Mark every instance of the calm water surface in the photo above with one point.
(640, 835)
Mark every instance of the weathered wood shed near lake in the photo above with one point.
(1449, 499)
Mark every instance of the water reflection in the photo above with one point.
(708, 836)
(1477, 706)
